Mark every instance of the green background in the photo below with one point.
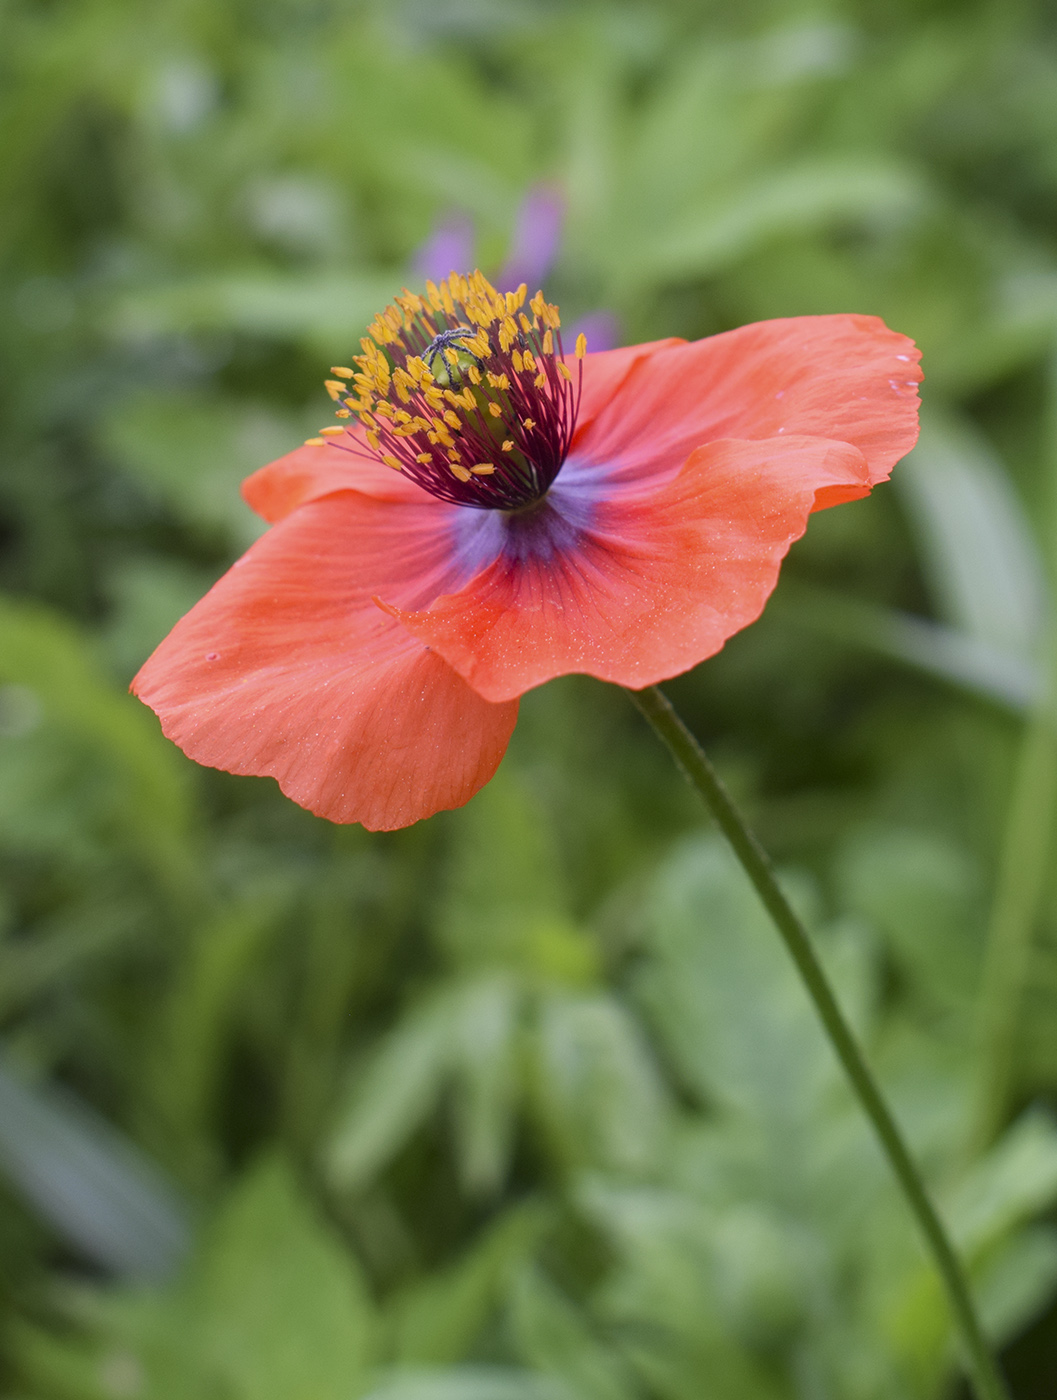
(523, 1103)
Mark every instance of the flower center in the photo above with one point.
(465, 391)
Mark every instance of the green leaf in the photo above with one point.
(924, 895)
(439, 1318)
(722, 992)
(597, 1085)
(552, 1336)
(194, 451)
(286, 1315)
(81, 759)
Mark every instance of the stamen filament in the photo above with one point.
(464, 393)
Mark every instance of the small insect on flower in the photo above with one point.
(490, 512)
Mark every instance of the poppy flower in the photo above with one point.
(488, 513)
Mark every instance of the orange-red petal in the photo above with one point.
(654, 584)
(606, 370)
(308, 473)
(847, 378)
(286, 668)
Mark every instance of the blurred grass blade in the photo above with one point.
(469, 1383)
(807, 199)
(1014, 1181)
(394, 1093)
(329, 309)
(950, 654)
(89, 1183)
(977, 549)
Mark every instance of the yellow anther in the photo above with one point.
(452, 419)
(540, 380)
(495, 410)
(335, 388)
(483, 469)
(384, 409)
(537, 303)
(475, 374)
(507, 334)
(460, 472)
(526, 324)
(581, 346)
(530, 360)
(373, 442)
(564, 370)
(393, 462)
(548, 342)
(341, 369)
(498, 381)
(519, 363)
(331, 432)
(529, 423)
(508, 446)
(451, 355)
(342, 413)
(315, 442)
(434, 297)
(425, 458)
(445, 299)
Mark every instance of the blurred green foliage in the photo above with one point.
(523, 1103)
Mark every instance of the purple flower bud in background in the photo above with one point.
(537, 238)
(534, 247)
(450, 246)
(601, 329)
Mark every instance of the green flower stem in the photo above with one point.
(1026, 854)
(1023, 870)
(690, 757)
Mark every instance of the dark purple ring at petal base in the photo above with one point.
(552, 526)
